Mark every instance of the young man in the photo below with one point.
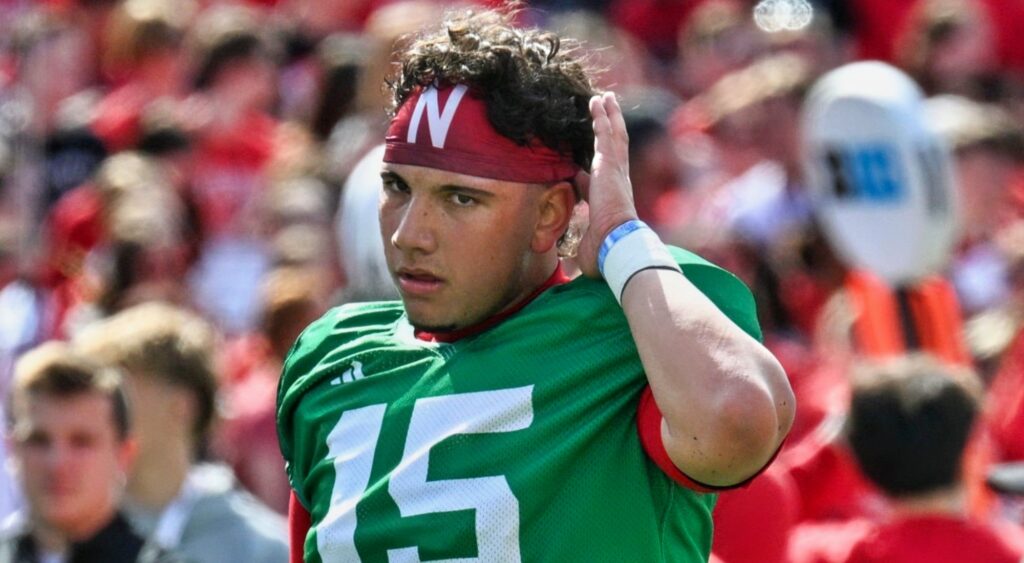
(501, 412)
(908, 425)
(70, 432)
(197, 509)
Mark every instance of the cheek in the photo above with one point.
(31, 467)
(389, 218)
(499, 252)
(99, 470)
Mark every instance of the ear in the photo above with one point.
(126, 454)
(556, 205)
(183, 405)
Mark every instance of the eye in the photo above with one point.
(83, 440)
(462, 200)
(395, 186)
(36, 440)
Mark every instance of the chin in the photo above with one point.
(431, 325)
(64, 517)
(427, 320)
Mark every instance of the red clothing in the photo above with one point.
(826, 542)
(1004, 414)
(879, 25)
(1007, 19)
(229, 173)
(74, 227)
(656, 23)
(753, 523)
(939, 539)
(831, 485)
(118, 117)
(819, 383)
(299, 522)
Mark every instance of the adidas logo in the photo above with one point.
(354, 372)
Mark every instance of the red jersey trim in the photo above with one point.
(299, 523)
(648, 421)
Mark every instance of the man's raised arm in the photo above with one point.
(725, 400)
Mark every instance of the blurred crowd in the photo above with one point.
(186, 184)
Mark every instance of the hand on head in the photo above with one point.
(607, 188)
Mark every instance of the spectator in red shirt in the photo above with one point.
(144, 58)
(908, 425)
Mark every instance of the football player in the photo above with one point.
(499, 411)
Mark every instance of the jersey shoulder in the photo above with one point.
(333, 333)
(722, 287)
(591, 298)
(327, 343)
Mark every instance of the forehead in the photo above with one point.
(85, 412)
(422, 176)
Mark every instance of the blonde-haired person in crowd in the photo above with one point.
(196, 508)
(73, 444)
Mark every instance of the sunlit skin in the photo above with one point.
(71, 461)
(462, 248)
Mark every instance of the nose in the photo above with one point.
(59, 458)
(416, 230)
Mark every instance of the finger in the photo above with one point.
(603, 145)
(615, 118)
(602, 126)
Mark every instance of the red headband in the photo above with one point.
(448, 129)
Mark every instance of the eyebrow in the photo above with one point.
(482, 194)
(389, 175)
(476, 192)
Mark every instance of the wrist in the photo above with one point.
(629, 249)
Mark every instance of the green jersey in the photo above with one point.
(516, 444)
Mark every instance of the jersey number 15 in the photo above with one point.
(352, 442)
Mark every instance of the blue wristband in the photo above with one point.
(614, 236)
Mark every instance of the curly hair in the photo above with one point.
(531, 81)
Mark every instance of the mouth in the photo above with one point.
(59, 489)
(417, 282)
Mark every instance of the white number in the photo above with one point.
(433, 419)
(353, 459)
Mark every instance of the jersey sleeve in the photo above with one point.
(732, 297)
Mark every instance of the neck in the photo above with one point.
(947, 502)
(49, 539)
(555, 277)
(56, 539)
(157, 478)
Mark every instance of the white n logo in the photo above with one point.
(438, 122)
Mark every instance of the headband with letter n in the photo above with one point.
(447, 128)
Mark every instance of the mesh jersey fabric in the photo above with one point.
(516, 444)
